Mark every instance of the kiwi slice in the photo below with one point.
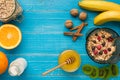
(95, 73)
(108, 73)
(87, 69)
(102, 73)
(114, 70)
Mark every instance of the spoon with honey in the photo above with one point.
(69, 61)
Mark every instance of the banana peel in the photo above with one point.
(106, 17)
(99, 5)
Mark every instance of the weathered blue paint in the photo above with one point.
(43, 39)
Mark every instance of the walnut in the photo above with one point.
(69, 24)
(74, 12)
(83, 16)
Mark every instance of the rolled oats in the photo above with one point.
(9, 10)
(98, 45)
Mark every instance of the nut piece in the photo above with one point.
(83, 16)
(74, 12)
(69, 24)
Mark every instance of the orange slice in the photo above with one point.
(10, 36)
(3, 63)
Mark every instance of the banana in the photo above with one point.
(106, 17)
(99, 5)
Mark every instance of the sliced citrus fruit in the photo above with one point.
(3, 63)
(10, 36)
(70, 67)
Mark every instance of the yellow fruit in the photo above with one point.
(10, 36)
(70, 67)
(106, 17)
(99, 5)
(3, 63)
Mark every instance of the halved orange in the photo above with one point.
(3, 63)
(10, 36)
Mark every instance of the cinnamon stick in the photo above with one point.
(72, 34)
(68, 33)
(79, 30)
(85, 24)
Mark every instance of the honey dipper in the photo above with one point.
(68, 61)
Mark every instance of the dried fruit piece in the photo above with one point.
(87, 69)
(101, 52)
(94, 41)
(103, 36)
(110, 39)
(105, 51)
(99, 47)
(103, 44)
(98, 38)
(95, 52)
(93, 48)
(96, 34)
(109, 49)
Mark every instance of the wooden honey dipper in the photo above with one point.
(68, 61)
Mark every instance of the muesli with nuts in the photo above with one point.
(100, 45)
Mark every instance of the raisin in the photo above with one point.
(110, 39)
(101, 52)
(94, 41)
(96, 34)
(109, 49)
(103, 44)
(93, 48)
(103, 36)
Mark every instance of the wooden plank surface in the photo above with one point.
(43, 39)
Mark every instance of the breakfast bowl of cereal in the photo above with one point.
(101, 46)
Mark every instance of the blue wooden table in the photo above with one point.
(43, 39)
